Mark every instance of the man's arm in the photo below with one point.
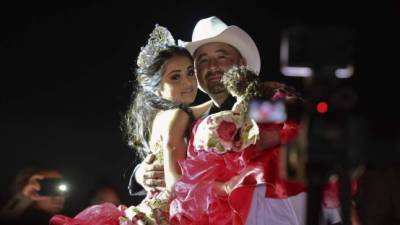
(15, 207)
(134, 188)
(270, 137)
(21, 200)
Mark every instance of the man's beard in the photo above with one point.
(215, 86)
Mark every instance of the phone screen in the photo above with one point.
(267, 111)
(53, 187)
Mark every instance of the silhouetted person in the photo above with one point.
(24, 205)
(378, 196)
(105, 193)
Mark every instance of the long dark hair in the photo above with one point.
(139, 117)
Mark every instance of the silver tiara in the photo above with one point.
(159, 39)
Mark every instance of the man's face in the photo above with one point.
(211, 61)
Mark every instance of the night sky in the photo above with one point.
(65, 72)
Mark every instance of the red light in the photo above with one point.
(322, 107)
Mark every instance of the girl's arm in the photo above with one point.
(173, 125)
(199, 110)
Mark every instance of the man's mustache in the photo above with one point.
(213, 73)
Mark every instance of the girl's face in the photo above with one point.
(178, 83)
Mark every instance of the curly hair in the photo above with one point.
(145, 104)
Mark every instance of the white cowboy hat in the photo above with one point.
(212, 29)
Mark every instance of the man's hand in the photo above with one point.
(269, 89)
(270, 137)
(150, 175)
(295, 105)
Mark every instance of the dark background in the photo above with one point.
(65, 72)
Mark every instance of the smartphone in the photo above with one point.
(53, 187)
(267, 111)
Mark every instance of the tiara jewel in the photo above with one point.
(159, 39)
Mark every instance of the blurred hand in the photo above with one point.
(269, 137)
(295, 105)
(150, 175)
(30, 190)
(269, 88)
(355, 219)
